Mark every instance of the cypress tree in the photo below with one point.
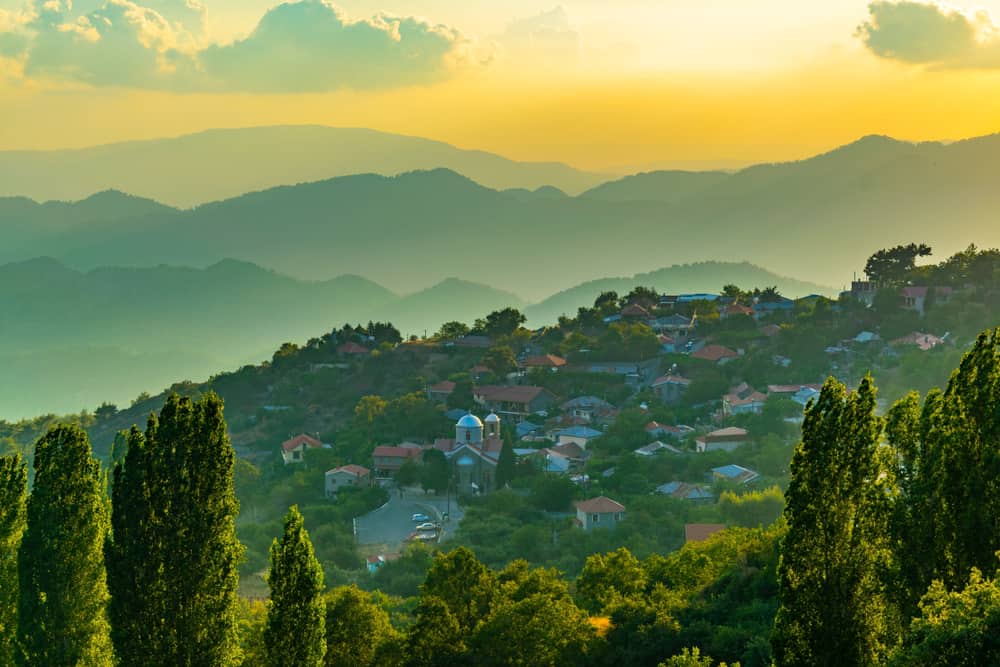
(13, 488)
(173, 555)
(833, 610)
(506, 462)
(295, 634)
(63, 592)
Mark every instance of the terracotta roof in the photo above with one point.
(544, 361)
(570, 450)
(738, 309)
(357, 471)
(600, 505)
(791, 388)
(714, 353)
(299, 440)
(670, 379)
(699, 532)
(511, 394)
(447, 386)
(729, 431)
(634, 310)
(352, 348)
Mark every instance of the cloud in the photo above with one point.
(312, 46)
(545, 37)
(927, 33)
(307, 46)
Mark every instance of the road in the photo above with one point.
(392, 523)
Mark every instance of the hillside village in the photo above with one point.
(640, 420)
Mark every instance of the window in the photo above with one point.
(595, 518)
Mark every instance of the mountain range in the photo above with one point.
(819, 218)
(219, 164)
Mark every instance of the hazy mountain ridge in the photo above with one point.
(218, 164)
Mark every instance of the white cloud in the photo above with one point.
(545, 38)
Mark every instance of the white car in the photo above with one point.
(427, 526)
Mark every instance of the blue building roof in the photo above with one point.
(580, 432)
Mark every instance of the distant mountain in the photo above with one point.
(687, 278)
(818, 219)
(219, 164)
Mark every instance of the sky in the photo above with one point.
(606, 86)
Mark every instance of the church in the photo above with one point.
(474, 453)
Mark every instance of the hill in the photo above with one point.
(691, 278)
(818, 218)
(218, 164)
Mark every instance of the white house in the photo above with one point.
(601, 512)
(578, 435)
(725, 440)
(349, 475)
(293, 450)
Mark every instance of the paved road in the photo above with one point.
(392, 523)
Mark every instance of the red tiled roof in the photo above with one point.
(299, 440)
(738, 309)
(714, 353)
(544, 361)
(634, 310)
(396, 452)
(356, 470)
(728, 432)
(352, 348)
(447, 386)
(600, 505)
(670, 379)
(699, 532)
(512, 394)
(791, 388)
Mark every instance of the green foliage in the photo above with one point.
(500, 360)
(13, 488)
(833, 609)
(63, 593)
(466, 586)
(506, 463)
(295, 633)
(692, 657)
(553, 493)
(436, 638)
(752, 509)
(435, 473)
(606, 579)
(355, 628)
(172, 560)
(891, 266)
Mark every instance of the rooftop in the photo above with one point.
(600, 505)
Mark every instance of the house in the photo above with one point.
(654, 448)
(918, 298)
(572, 452)
(780, 306)
(922, 340)
(655, 429)
(674, 325)
(699, 296)
(734, 473)
(635, 372)
(717, 354)
(743, 400)
(580, 435)
(439, 393)
(549, 361)
(601, 512)
(526, 428)
(699, 532)
(800, 393)
(670, 388)
(685, 491)
(474, 341)
(349, 475)
(863, 291)
(352, 349)
(668, 344)
(293, 450)
(634, 311)
(516, 402)
(588, 408)
(388, 459)
(734, 310)
(724, 439)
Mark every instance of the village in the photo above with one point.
(704, 389)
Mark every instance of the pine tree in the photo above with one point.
(295, 633)
(173, 554)
(13, 488)
(63, 593)
(833, 609)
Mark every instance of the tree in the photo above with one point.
(833, 609)
(890, 266)
(295, 633)
(606, 578)
(465, 585)
(105, 411)
(435, 473)
(553, 493)
(955, 628)
(506, 463)
(501, 323)
(355, 628)
(408, 474)
(692, 657)
(173, 556)
(642, 296)
(500, 360)
(61, 572)
(436, 639)
(461, 397)
(13, 488)
(451, 331)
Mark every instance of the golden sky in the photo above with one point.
(601, 85)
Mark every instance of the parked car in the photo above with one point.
(420, 518)
(427, 526)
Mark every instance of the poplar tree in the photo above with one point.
(13, 487)
(833, 610)
(173, 555)
(63, 594)
(295, 634)
(505, 463)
